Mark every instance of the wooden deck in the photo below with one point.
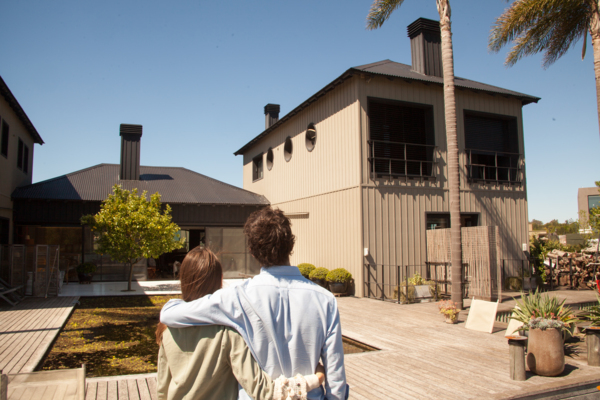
(28, 330)
(127, 387)
(421, 357)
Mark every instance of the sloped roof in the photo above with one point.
(395, 70)
(14, 104)
(175, 185)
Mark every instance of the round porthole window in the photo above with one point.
(270, 159)
(311, 137)
(287, 149)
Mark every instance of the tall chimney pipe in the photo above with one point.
(271, 114)
(131, 136)
(426, 47)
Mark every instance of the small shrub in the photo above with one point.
(86, 268)
(306, 269)
(535, 306)
(545, 323)
(339, 275)
(449, 309)
(514, 284)
(319, 273)
(593, 314)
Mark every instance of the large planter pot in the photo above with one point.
(546, 352)
(320, 282)
(85, 278)
(338, 287)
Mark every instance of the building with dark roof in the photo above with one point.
(17, 139)
(208, 211)
(361, 166)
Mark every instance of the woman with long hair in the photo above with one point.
(208, 362)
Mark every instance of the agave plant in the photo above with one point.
(535, 305)
(593, 314)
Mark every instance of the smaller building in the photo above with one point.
(209, 212)
(587, 198)
(17, 139)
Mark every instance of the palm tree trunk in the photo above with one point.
(452, 141)
(595, 33)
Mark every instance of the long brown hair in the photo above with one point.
(200, 274)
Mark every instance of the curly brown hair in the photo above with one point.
(270, 238)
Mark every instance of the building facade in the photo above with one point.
(17, 139)
(209, 212)
(361, 166)
(587, 198)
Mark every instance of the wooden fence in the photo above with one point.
(480, 247)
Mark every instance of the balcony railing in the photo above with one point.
(493, 166)
(398, 159)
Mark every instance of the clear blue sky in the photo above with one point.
(197, 74)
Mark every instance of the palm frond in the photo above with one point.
(549, 26)
(380, 12)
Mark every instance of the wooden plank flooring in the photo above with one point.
(421, 357)
(28, 329)
(125, 387)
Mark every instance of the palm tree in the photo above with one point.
(549, 26)
(379, 13)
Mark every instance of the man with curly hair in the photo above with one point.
(288, 322)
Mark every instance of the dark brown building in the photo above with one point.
(208, 211)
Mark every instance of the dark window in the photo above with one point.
(492, 146)
(593, 201)
(442, 220)
(288, 149)
(4, 223)
(25, 159)
(20, 155)
(311, 137)
(257, 168)
(270, 159)
(4, 144)
(401, 138)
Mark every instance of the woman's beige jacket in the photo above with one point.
(206, 363)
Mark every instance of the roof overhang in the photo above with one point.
(14, 104)
(414, 77)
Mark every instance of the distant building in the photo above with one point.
(17, 139)
(209, 212)
(361, 166)
(587, 198)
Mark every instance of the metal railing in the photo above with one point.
(391, 282)
(493, 166)
(383, 164)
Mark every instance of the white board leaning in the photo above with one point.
(482, 315)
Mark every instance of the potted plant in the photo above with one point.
(450, 311)
(338, 280)
(306, 269)
(85, 272)
(318, 276)
(419, 290)
(547, 322)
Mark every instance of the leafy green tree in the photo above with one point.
(379, 13)
(130, 227)
(551, 27)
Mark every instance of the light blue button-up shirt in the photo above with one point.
(288, 322)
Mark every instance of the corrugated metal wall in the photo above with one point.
(329, 236)
(394, 212)
(332, 165)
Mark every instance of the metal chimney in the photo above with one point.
(131, 136)
(271, 114)
(426, 47)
